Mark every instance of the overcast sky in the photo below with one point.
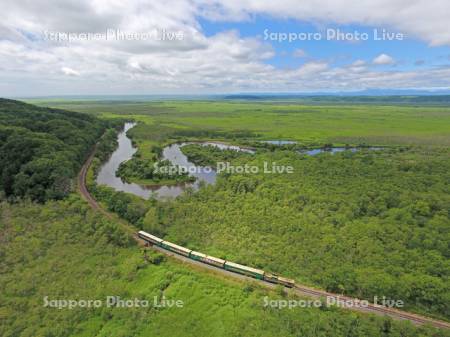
(202, 47)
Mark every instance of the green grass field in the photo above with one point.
(338, 124)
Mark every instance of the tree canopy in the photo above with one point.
(41, 149)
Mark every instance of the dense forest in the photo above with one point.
(365, 223)
(42, 149)
(156, 172)
(208, 155)
(72, 252)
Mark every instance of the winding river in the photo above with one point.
(125, 150)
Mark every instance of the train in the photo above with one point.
(216, 262)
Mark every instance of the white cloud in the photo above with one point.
(69, 71)
(383, 59)
(417, 18)
(199, 62)
(311, 68)
(359, 63)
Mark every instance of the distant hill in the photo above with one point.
(41, 149)
(365, 97)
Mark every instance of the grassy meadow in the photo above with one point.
(310, 124)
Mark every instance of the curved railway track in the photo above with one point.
(299, 289)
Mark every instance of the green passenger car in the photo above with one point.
(238, 268)
(175, 248)
(197, 256)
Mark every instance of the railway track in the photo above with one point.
(371, 308)
(299, 289)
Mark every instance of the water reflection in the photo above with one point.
(279, 142)
(332, 150)
(125, 151)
